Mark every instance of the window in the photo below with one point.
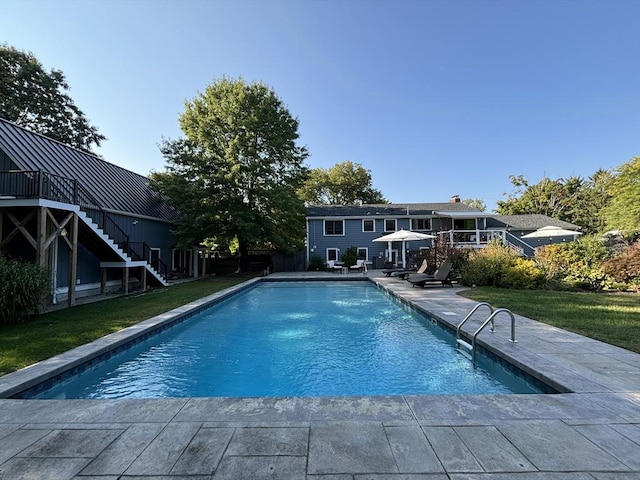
(332, 254)
(464, 224)
(334, 227)
(420, 224)
(368, 225)
(390, 225)
(363, 253)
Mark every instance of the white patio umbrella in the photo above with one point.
(403, 236)
(551, 231)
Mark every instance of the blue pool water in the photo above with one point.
(295, 339)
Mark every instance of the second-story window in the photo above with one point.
(368, 225)
(390, 225)
(420, 224)
(334, 227)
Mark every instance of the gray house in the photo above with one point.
(332, 229)
(95, 225)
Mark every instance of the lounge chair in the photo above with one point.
(359, 266)
(411, 271)
(389, 271)
(332, 267)
(441, 276)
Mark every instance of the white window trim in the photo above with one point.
(373, 221)
(337, 253)
(426, 219)
(366, 253)
(395, 223)
(324, 228)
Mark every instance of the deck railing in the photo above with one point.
(49, 186)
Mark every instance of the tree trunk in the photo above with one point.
(244, 255)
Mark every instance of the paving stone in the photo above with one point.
(72, 443)
(400, 476)
(494, 452)
(15, 442)
(6, 429)
(412, 451)
(632, 432)
(21, 468)
(204, 452)
(615, 476)
(522, 476)
(451, 450)
(262, 467)
(121, 453)
(613, 443)
(337, 476)
(269, 441)
(165, 450)
(350, 448)
(554, 446)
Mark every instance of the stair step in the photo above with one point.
(465, 345)
(465, 354)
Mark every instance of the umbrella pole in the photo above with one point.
(404, 255)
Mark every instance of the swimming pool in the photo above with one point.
(295, 339)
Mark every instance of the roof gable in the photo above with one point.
(115, 188)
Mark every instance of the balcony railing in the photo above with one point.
(49, 186)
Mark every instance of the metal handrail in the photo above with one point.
(481, 304)
(485, 323)
(41, 184)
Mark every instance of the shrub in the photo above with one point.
(316, 263)
(23, 288)
(625, 267)
(576, 265)
(350, 257)
(500, 266)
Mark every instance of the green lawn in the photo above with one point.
(52, 333)
(610, 317)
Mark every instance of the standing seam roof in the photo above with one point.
(114, 187)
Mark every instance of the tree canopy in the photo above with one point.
(623, 211)
(604, 201)
(36, 99)
(235, 174)
(345, 183)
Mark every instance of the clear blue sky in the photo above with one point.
(435, 98)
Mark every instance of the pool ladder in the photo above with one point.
(469, 349)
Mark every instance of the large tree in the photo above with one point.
(235, 174)
(345, 183)
(36, 99)
(623, 211)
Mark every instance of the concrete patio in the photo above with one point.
(590, 432)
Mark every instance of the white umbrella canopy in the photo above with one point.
(551, 231)
(403, 236)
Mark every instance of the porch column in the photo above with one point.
(125, 280)
(73, 261)
(143, 278)
(103, 280)
(41, 232)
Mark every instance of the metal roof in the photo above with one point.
(116, 189)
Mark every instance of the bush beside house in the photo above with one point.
(23, 289)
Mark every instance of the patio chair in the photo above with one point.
(332, 267)
(405, 273)
(359, 266)
(441, 275)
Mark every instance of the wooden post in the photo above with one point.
(103, 281)
(125, 280)
(143, 278)
(41, 232)
(73, 261)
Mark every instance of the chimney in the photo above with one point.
(455, 199)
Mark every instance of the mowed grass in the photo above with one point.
(610, 317)
(53, 333)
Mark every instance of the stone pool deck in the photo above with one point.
(591, 433)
